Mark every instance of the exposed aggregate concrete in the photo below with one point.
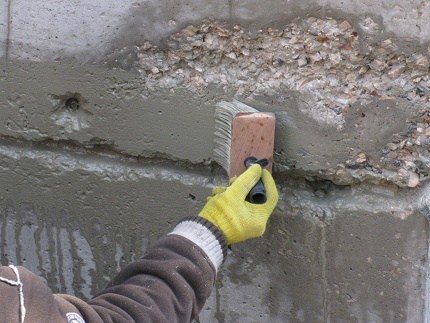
(327, 62)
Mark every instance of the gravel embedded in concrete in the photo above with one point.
(324, 60)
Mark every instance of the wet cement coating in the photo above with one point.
(96, 164)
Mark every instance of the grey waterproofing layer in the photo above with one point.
(106, 140)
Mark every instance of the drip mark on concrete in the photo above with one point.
(9, 27)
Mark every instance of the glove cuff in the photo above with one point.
(205, 235)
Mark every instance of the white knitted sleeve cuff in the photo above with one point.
(203, 237)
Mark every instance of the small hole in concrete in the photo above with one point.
(72, 104)
(71, 101)
(191, 196)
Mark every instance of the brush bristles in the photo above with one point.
(224, 114)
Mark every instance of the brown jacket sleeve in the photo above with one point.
(169, 284)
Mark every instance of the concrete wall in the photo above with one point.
(106, 139)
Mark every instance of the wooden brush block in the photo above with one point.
(252, 134)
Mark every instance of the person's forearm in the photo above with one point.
(169, 284)
(172, 282)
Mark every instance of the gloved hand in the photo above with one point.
(236, 218)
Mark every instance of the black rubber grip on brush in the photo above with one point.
(257, 194)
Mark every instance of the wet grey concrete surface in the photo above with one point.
(98, 160)
(330, 253)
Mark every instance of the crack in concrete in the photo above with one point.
(322, 200)
(103, 148)
(66, 157)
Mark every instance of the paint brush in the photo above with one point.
(243, 136)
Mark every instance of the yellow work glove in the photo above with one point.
(236, 218)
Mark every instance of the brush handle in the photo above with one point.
(257, 194)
